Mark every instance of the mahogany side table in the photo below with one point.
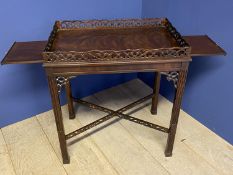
(113, 46)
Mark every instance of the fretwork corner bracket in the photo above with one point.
(172, 76)
(62, 81)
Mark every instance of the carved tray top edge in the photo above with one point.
(115, 23)
(49, 56)
(113, 55)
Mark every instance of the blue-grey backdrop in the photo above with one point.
(208, 94)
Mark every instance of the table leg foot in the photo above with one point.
(153, 111)
(168, 154)
(71, 117)
(66, 161)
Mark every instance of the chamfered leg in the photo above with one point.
(155, 97)
(175, 112)
(69, 100)
(58, 118)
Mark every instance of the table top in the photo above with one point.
(113, 39)
(125, 40)
(31, 52)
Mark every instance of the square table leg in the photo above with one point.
(69, 100)
(58, 118)
(175, 112)
(155, 93)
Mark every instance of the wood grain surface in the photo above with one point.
(29, 149)
(113, 39)
(6, 166)
(25, 53)
(203, 45)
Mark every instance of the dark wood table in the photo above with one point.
(113, 46)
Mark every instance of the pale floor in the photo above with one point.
(116, 147)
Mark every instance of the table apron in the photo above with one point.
(108, 69)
